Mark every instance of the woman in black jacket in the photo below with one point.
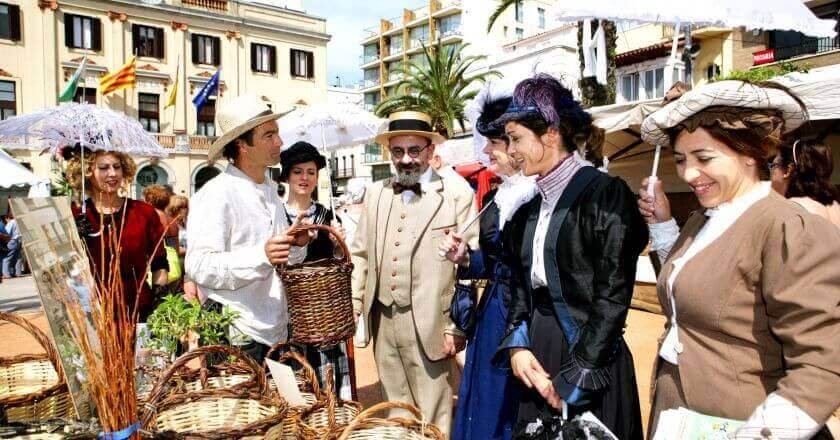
(573, 253)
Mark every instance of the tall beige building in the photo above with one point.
(264, 47)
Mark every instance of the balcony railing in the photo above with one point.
(368, 83)
(395, 75)
(216, 5)
(343, 173)
(396, 49)
(365, 59)
(808, 47)
(451, 33)
(419, 42)
(194, 143)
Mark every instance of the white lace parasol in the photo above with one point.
(92, 127)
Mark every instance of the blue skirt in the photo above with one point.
(489, 396)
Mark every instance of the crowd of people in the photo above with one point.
(538, 289)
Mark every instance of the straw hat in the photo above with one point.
(238, 116)
(733, 94)
(408, 123)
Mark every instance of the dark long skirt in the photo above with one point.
(617, 406)
(489, 394)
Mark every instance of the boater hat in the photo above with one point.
(409, 123)
(238, 116)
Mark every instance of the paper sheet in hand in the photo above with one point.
(284, 378)
(684, 424)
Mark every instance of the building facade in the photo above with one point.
(270, 48)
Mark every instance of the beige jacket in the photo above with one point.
(445, 206)
(759, 312)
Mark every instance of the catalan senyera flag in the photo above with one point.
(124, 78)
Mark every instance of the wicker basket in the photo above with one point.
(367, 427)
(320, 297)
(305, 376)
(213, 413)
(32, 386)
(242, 373)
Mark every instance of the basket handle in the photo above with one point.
(379, 407)
(327, 228)
(39, 336)
(308, 372)
(160, 387)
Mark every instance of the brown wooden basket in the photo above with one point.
(367, 427)
(32, 386)
(213, 413)
(320, 297)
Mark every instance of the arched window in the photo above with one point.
(150, 175)
(203, 176)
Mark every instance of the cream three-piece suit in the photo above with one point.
(404, 288)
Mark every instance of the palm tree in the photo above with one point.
(591, 92)
(439, 87)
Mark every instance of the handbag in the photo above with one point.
(462, 309)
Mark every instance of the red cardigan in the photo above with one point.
(139, 239)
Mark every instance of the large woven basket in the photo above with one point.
(367, 427)
(320, 297)
(213, 413)
(240, 373)
(32, 386)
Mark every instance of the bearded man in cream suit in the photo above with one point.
(401, 284)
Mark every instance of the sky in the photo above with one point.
(346, 22)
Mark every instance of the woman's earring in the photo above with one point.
(751, 162)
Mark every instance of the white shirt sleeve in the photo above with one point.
(663, 236)
(207, 261)
(778, 418)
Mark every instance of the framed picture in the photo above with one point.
(62, 276)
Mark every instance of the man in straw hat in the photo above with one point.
(237, 227)
(402, 285)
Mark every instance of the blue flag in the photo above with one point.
(207, 91)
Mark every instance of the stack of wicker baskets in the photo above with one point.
(323, 417)
(367, 427)
(32, 386)
(210, 412)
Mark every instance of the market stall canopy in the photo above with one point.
(13, 174)
(792, 15)
(621, 123)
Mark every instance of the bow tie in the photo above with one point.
(399, 188)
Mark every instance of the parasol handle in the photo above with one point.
(652, 179)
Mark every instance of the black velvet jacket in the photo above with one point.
(590, 256)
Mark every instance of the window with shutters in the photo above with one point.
(207, 119)
(82, 32)
(8, 100)
(206, 49)
(263, 58)
(9, 22)
(302, 64)
(149, 112)
(148, 41)
(85, 95)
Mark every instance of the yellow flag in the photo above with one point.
(173, 94)
(123, 78)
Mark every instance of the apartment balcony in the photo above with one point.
(213, 5)
(395, 53)
(369, 84)
(375, 154)
(812, 46)
(369, 60)
(343, 173)
(370, 107)
(183, 143)
(417, 44)
(448, 8)
(451, 34)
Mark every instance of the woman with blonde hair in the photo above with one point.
(750, 284)
(110, 215)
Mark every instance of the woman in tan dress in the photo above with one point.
(802, 173)
(750, 285)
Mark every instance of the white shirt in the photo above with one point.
(230, 220)
(779, 415)
(424, 181)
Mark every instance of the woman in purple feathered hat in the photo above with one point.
(574, 249)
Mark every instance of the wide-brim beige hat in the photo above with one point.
(409, 123)
(737, 94)
(239, 115)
